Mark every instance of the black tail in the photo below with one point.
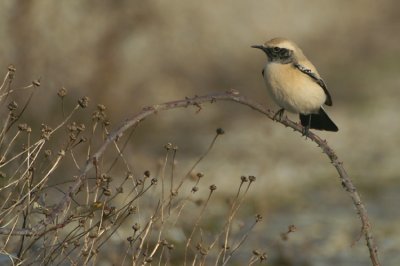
(320, 121)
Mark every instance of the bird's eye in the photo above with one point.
(276, 49)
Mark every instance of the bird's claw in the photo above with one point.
(305, 131)
(278, 115)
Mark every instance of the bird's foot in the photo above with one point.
(306, 129)
(278, 115)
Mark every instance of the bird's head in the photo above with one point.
(280, 50)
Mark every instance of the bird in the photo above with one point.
(295, 85)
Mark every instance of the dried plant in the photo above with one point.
(105, 202)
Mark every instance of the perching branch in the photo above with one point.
(197, 101)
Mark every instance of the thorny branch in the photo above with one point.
(197, 101)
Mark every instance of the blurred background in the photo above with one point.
(131, 54)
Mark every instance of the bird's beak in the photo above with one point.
(262, 47)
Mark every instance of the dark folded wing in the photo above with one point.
(317, 79)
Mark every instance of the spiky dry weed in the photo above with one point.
(70, 195)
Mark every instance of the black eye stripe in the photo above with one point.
(280, 51)
(279, 54)
(283, 51)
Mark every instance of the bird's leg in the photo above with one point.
(307, 127)
(278, 114)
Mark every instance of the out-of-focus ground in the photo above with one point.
(130, 54)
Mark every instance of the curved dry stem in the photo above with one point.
(231, 95)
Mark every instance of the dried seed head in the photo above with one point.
(213, 187)
(195, 189)
(252, 178)
(98, 116)
(132, 209)
(243, 178)
(258, 218)
(203, 251)
(106, 178)
(13, 116)
(46, 131)
(72, 127)
(154, 181)
(83, 102)
(263, 256)
(199, 175)
(80, 127)
(93, 234)
(85, 252)
(72, 136)
(107, 192)
(136, 227)
(147, 173)
(101, 107)
(292, 228)
(23, 127)
(12, 106)
(62, 92)
(220, 131)
(168, 146)
(106, 212)
(11, 68)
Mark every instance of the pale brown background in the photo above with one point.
(130, 54)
